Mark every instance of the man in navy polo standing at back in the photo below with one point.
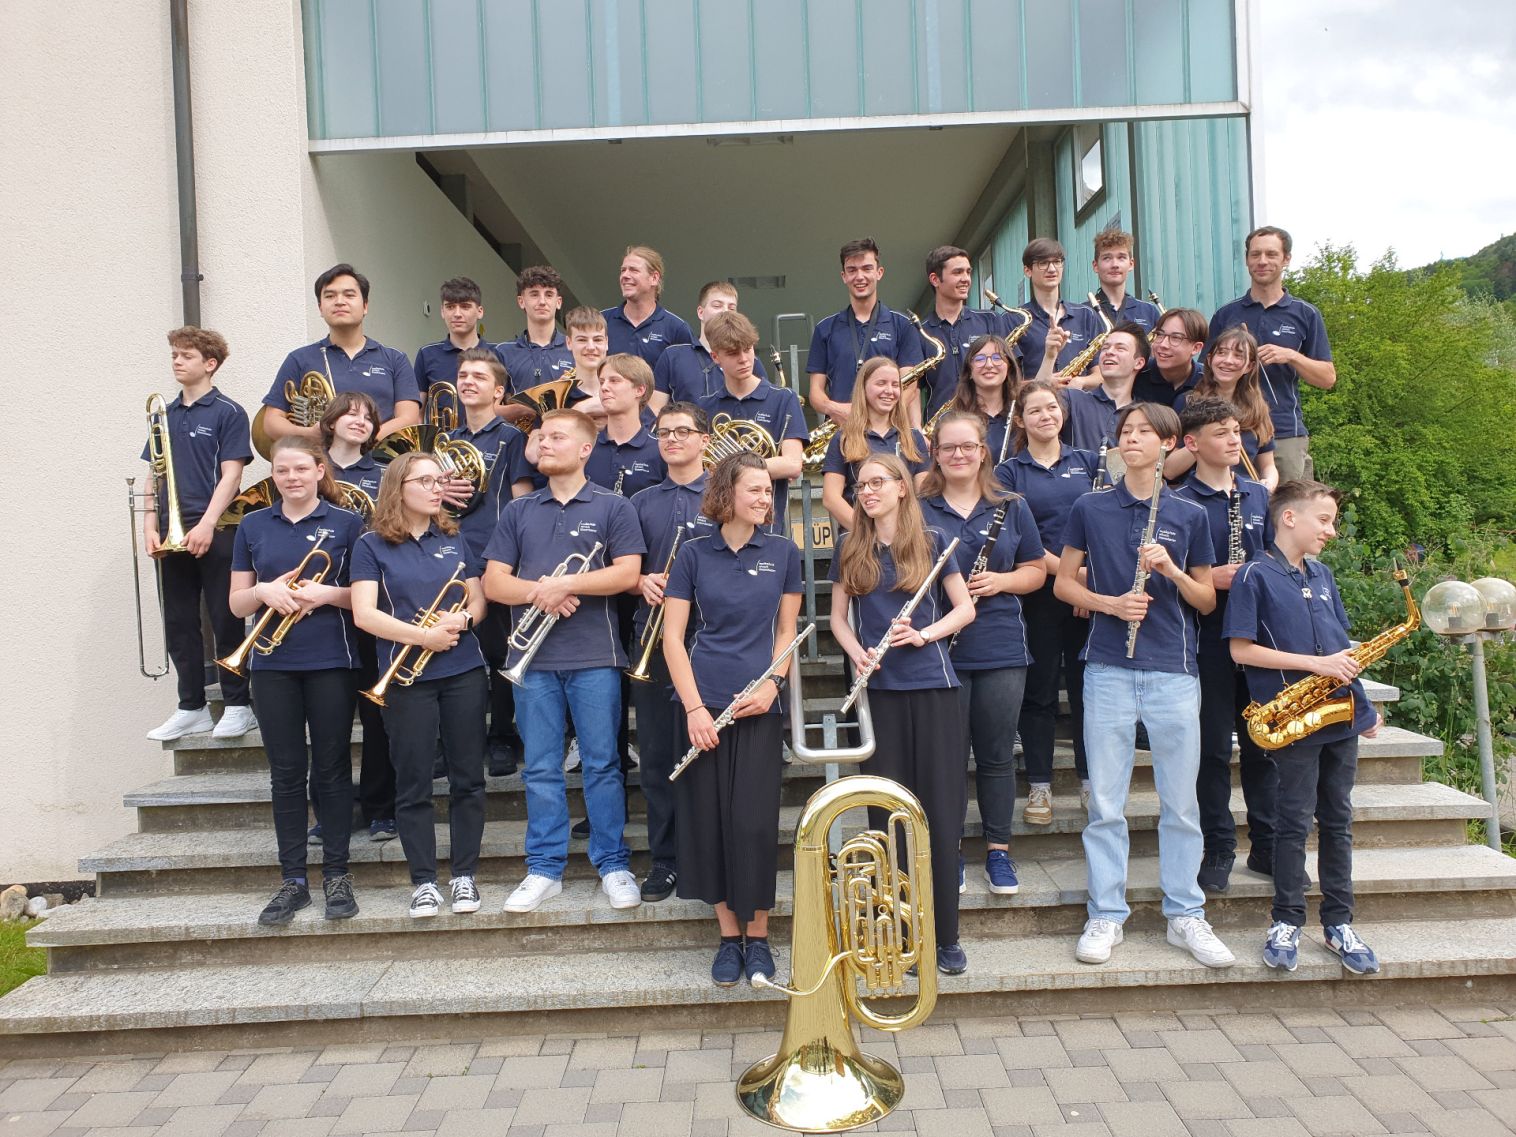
(950, 272)
(1292, 345)
(462, 309)
(641, 325)
(540, 354)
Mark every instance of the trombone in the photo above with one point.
(135, 508)
(403, 674)
(160, 457)
(652, 633)
(263, 644)
(532, 628)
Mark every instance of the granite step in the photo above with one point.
(1451, 883)
(1422, 814)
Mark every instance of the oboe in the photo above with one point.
(1140, 584)
(982, 561)
(877, 655)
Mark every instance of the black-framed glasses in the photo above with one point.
(1172, 337)
(958, 447)
(985, 360)
(678, 433)
(1049, 263)
(874, 485)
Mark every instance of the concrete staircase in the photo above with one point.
(169, 954)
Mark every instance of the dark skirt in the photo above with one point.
(727, 818)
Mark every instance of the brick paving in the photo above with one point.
(1449, 1070)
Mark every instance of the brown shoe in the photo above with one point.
(1039, 806)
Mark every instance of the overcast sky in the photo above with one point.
(1388, 124)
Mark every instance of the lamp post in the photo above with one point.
(1471, 614)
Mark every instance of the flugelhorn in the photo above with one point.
(173, 538)
(876, 656)
(652, 632)
(533, 627)
(256, 641)
(403, 674)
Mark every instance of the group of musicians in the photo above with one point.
(993, 500)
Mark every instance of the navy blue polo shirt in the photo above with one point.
(535, 534)
(1291, 323)
(1107, 527)
(1257, 534)
(504, 450)
(841, 343)
(380, 372)
(1091, 419)
(776, 409)
(1249, 438)
(1079, 320)
(1151, 387)
(686, 373)
(410, 575)
(365, 473)
(1295, 610)
(1133, 310)
(271, 546)
(997, 637)
(995, 429)
(649, 339)
(734, 597)
(1050, 491)
(663, 510)
(637, 458)
(530, 364)
(905, 668)
(942, 380)
(438, 362)
(886, 443)
(202, 435)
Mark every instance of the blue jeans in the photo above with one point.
(1115, 698)
(593, 696)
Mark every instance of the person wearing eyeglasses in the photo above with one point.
(1060, 328)
(877, 424)
(987, 386)
(1172, 369)
(1231, 372)
(950, 273)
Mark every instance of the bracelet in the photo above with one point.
(778, 682)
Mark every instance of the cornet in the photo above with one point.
(400, 672)
(532, 628)
(236, 663)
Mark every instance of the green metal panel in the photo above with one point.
(1005, 252)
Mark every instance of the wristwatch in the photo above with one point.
(468, 621)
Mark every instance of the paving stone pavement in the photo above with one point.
(1208, 1073)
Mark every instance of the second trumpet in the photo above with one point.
(532, 628)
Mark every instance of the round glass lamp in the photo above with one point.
(1499, 603)
(1452, 608)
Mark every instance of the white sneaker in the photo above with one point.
(425, 901)
(1084, 795)
(1194, 935)
(465, 894)
(571, 757)
(180, 723)
(1100, 936)
(235, 722)
(531, 892)
(621, 887)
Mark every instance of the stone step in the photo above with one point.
(85, 1011)
(1452, 883)
(1422, 814)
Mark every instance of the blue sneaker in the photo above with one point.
(1000, 871)
(313, 835)
(727, 968)
(963, 880)
(1281, 946)
(951, 959)
(382, 831)
(1356, 955)
(758, 960)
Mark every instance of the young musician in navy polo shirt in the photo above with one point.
(1060, 329)
(1292, 339)
(1285, 621)
(961, 497)
(686, 372)
(640, 324)
(1106, 535)
(348, 358)
(349, 430)
(666, 511)
(1172, 369)
(309, 682)
(1113, 265)
(987, 387)
(578, 663)
(922, 742)
(1092, 413)
(1237, 512)
(208, 437)
(625, 458)
(539, 354)
(462, 309)
(1051, 476)
(399, 568)
(865, 328)
(877, 424)
(950, 273)
(735, 595)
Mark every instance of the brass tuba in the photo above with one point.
(731, 436)
(869, 919)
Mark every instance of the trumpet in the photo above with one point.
(403, 674)
(160, 457)
(441, 406)
(263, 644)
(731, 436)
(876, 657)
(532, 628)
(653, 632)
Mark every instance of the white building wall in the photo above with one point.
(89, 226)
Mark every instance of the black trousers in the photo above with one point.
(376, 773)
(186, 579)
(921, 743)
(1223, 695)
(494, 632)
(1054, 637)
(286, 703)
(1315, 781)
(990, 703)
(416, 716)
(661, 742)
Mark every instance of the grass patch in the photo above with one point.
(18, 963)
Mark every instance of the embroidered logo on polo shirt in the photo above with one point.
(584, 527)
(1286, 330)
(766, 566)
(446, 551)
(321, 534)
(1167, 535)
(877, 336)
(203, 431)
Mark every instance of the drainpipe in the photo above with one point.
(184, 152)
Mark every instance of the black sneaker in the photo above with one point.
(505, 757)
(340, 903)
(952, 959)
(581, 829)
(1262, 862)
(1216, 871)
(659, 884)
(281, 908)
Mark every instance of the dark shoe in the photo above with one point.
(659, 884)
(505, 757)
(1356, 955)
(313, 835)
(1000, 871)
(1143, 742)
(340, 904)
(1216, 871)
(382, 830)
(581, 829)
(758, 960)
(291, 897)
(1263, 863)
(727, 968)
(951, 959)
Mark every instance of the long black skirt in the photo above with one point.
(727, 810)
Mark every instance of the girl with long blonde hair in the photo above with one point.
(877, 425)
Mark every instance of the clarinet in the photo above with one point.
(1099, 466)
(1140, 584)
(1005, 441)
(1235, 554)
(982, 561)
